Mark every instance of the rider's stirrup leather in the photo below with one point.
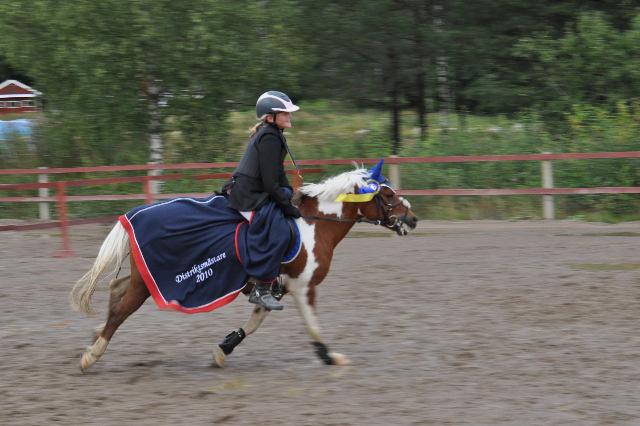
(261, 295)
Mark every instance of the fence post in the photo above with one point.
(43, 193)
(548, 208)
(66, 250)
(394, 174)
(147, 186)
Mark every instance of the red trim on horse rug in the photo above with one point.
(235, 241)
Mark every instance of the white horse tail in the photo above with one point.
(110, 257)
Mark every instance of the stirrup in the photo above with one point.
(261, 295)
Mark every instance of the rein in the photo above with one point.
(335, 219)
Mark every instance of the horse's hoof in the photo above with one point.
(339, 359)
(86, 361)
(218, 357)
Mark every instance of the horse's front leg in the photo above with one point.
(234, 338)
(304, 295)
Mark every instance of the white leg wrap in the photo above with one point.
(93, 353)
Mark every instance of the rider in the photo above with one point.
(260, 176)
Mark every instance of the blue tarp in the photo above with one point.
(20, 127)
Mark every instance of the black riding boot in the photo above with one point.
(261, 295)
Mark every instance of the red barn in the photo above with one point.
(16, 97)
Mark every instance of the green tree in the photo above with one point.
(489, 72)
(121, 76)
(370, 53)
(593, 63)
(6, 71)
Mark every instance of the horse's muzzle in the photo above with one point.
(410, 221)
(399, 226)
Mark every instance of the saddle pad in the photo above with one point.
(294, 245)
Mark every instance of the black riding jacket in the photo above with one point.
(260, 175)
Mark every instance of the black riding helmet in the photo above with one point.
(272, 102)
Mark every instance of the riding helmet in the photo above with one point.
(272, 102)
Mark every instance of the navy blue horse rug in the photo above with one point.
(195, 254)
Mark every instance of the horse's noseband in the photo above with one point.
(389, 220)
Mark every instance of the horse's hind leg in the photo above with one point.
(234, 338)
(124, 301)
(117, 289)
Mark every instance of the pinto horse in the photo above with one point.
(324, 223)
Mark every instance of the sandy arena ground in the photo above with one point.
(479, 322)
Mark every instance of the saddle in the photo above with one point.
(295, 243)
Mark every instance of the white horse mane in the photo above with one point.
(331, 187)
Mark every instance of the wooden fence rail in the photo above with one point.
(394, 163)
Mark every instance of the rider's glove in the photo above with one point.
(291, 211)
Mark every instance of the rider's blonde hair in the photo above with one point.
(255, 128)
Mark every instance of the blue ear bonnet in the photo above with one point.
(372, 187)
(375, 179)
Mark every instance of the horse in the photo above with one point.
(324, 223)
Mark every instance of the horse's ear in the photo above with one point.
(376, 171)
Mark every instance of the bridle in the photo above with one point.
(390, 221)
(384, 208)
